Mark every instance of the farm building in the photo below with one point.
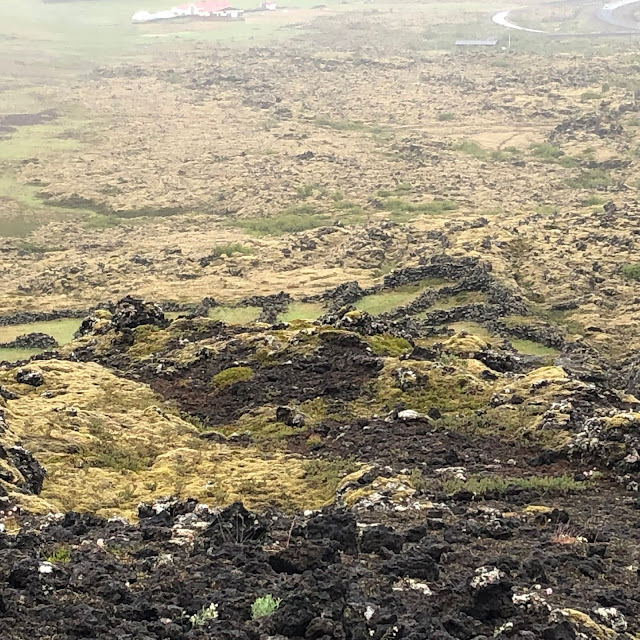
(210, 9)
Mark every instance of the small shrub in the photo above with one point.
(445, 116)
(264, 606)
(631, 271)
(305, 191)
(591, 201)
(231, 376)
(471, 148)
(61, 555)
(591, 179)
(590, 95)
(230, 248)
(204, 615)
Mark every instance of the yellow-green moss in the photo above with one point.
(148, 340)
(230, 376)
(388, 345)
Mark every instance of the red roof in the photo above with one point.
(208, 5)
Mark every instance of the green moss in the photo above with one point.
(148, 340)
(231, 376)
(327, 475)
(388, 345)
(449, 389)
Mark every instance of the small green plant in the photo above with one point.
(631, 271)
(591, 179)
(231, 248)
(445, 116)
(61, 555)
(590, 95)
(204, 615)
(230, 376)
(264, 606)
(471, 148)
(305, 191)
(592, 201)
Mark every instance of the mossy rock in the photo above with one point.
(231, 376)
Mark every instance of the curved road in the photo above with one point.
(606, 13)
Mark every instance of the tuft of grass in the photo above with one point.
(264, 606)
(631, 271)
(445, 116)
(230, 249)
(35, 248)
(548, 152)
(293, 219)
(61, 555)
(483, 485)
(231, 376)
(592, 201)
(471, 148)
(591, 179)
(402, 206)
(590, 95)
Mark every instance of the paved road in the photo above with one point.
(608, 13)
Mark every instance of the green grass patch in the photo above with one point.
(61, 555)
(403, 210)
(36, 141)
(231, 376)
(548, 152)
(13, 355)
(531, 348)
(459, 299)
(347, 125)
(631, 271)
(484, 485)
(385, 301)
(445, 116)
(235, 315)
(36, 248)
(61, 330)
(293, 219)
(302, 311)
(592, 201)
(590, 95)
(590, 179)
(472, 328)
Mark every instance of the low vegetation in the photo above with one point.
(230, 249)
(264, 606)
